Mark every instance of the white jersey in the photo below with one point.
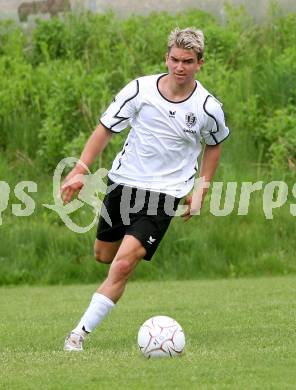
(163, 145)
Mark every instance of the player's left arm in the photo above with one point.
(214, 132)
(209, 164)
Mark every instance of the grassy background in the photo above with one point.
(239, 334)
(40, 249)
(57, 80)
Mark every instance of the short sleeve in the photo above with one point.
(215, 130)
(122, 109)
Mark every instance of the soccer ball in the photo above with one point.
(161, 336)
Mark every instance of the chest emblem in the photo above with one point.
(190, 119)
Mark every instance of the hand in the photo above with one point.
(73, 182)
(194, 203)
(186, 215)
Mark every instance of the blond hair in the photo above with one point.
(188, 38)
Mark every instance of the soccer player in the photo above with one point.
(170, 115)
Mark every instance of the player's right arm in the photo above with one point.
(93, 147)
(114, 120)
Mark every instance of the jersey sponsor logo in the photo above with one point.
(189, 131)
(151, 240)
(190, 119)
(172, 114)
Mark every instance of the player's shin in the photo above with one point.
(98, 309)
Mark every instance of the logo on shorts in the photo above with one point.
(190, 119)
(151, 240)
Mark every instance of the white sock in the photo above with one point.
(99, 307)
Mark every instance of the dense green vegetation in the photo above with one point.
(240, 334)
(58, 79)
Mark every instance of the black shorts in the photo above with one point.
(144, 214)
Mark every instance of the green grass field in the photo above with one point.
(240, 334)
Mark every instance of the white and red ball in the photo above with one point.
(161, 336)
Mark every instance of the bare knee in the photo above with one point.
(125, 261)
(104, 252)
(102, 256)
(122, 268)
